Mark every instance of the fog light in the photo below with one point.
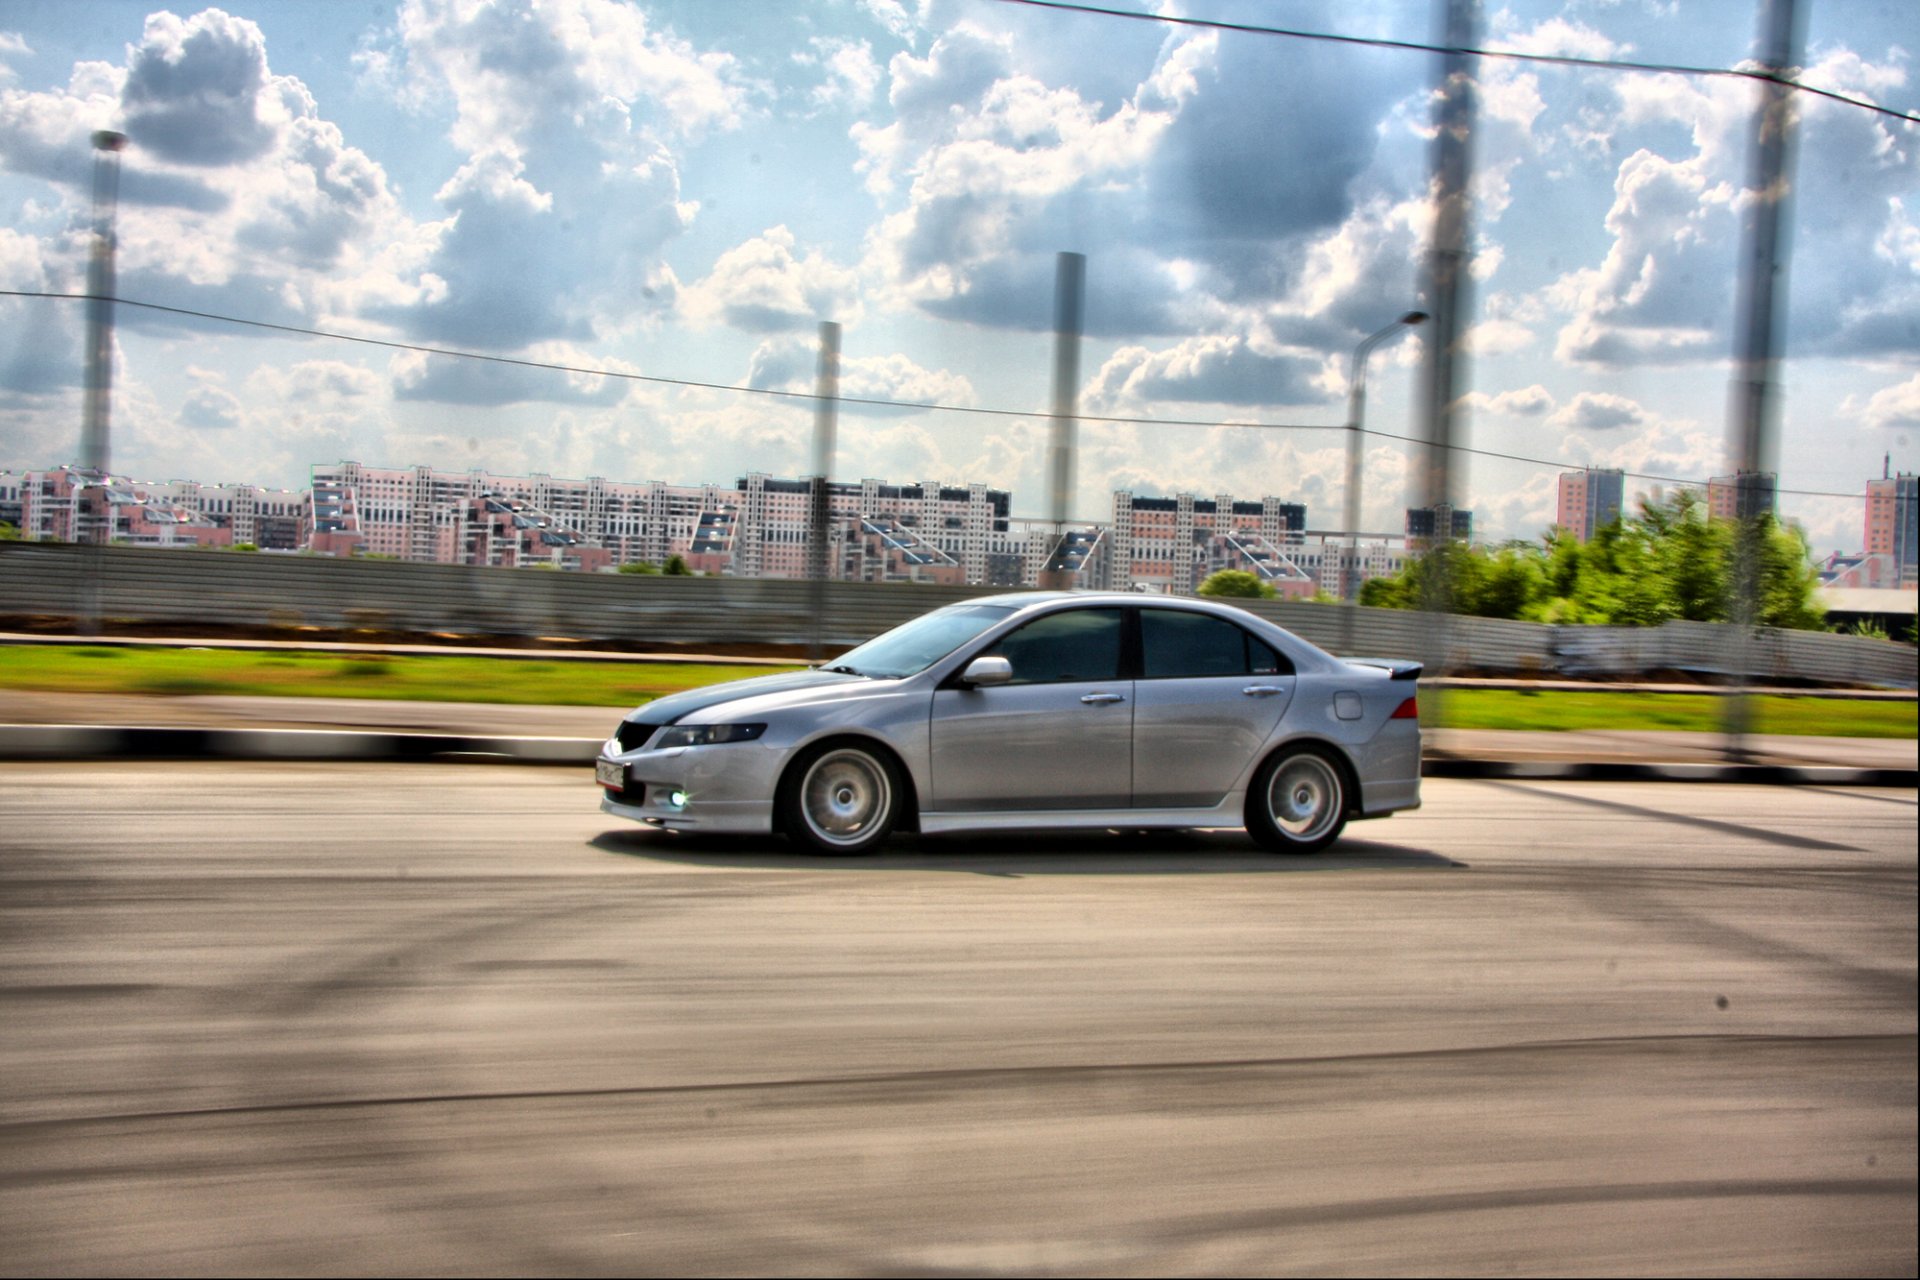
(676, 799)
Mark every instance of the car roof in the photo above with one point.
(1033, 599)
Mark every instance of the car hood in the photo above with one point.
(796, 684)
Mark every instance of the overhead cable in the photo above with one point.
(866, 401)
(1514, 55)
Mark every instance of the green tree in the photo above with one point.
(1670, 561)
(640, 566)
(1235, 584)
(676, 567)
(1789, 584)
(8, 533)
(1691, 555)
(1511, 581)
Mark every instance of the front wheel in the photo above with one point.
(840, 800)
(1298, 801)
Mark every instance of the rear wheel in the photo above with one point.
(1298, 801)
(840, 799)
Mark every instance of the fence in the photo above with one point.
(133, 587)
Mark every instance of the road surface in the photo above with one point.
(450, 1019)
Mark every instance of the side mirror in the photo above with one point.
(982, 672)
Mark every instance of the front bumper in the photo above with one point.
(726, 788)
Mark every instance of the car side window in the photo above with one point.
(1177, 644)
(1079, 644)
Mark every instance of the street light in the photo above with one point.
(1356, 411)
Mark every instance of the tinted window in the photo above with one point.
(1082, 644)
(1194, 644)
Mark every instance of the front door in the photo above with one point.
(1058, 737)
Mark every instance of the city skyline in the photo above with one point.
(676, 198)
(1587, 499)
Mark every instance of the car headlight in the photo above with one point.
(706, 735)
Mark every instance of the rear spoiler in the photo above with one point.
(1395, 668)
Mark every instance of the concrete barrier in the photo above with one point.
(129, 587)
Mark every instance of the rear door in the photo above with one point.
(1209, 695)
(1059, 737)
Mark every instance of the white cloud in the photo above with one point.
(761, 286)
(211, 408)
(1524, 402)
(850, 76)
(1556, 37)
(1213, 369)
(1897, 406)
(450, 380)
(790, 364)
(565, 110)
(1498, 338)
(198, 92)
(1651, 296)
(1598, 411)
(893, 15)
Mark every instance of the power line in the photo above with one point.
(1513, 55)
(869, 402)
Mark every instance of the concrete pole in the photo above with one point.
(826, 407)
(1069, 304)
(95, 451)
(96, 406)
(1356, 417)
(1447, 289)
(1763, 292)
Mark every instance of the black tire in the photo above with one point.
(1298, 801)
(841, 798)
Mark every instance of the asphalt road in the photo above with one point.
(450, 1019)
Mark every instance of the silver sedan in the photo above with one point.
(1039, 710)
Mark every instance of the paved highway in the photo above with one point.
(450, 1019)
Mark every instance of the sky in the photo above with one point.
(668, 199)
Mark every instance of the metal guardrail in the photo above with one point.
(129, 586)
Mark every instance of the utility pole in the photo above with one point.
(96, 406)
(1069, 302)
(826, 407)
(1763, 291)
(1449, 302)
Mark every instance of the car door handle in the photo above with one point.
(1096, 699)
(1262, 690)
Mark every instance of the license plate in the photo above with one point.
(610, 773)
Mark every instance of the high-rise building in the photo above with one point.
(1425, 525)
(1893, 522)
(1590, 499)
(1741, 495)
(760, 527)
(1172, 544)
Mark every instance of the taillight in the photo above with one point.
(1409, 710)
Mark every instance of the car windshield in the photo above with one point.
(914, 646)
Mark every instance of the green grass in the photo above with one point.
(1558, 709)
(543, 681)
(421, 678)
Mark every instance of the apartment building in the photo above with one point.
(1893, 523)
(270, 519)
(1172, 544)
(761, 526)
(1742, 494)
(70, 505)
(1590, 499)
(1427, 525)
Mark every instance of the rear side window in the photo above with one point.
(1183, 645)
(1080, 644)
